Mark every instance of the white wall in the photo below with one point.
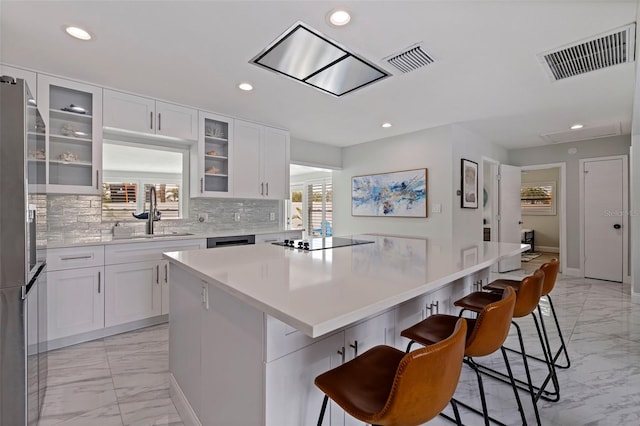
(467, 223)
(558, 153)
(430, 148)
(315, 154)
(634, 176)
(546, 227)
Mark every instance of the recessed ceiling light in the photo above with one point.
(245, 86)
(339, 17)
(386, 125)
(78, 33)
(577, 126)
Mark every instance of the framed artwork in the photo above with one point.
(395, 194)
(469, 185)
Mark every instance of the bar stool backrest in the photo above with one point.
(425, 381)
(550, 270)
(492, 326)
(529, 292)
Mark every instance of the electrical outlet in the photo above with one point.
(236, 217)
(436, 208)
(272, 216)
(203, 217)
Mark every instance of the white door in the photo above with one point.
(603, 220)
(128, 112)
(247, 162)
(176, 121)
(509, 210)
(276, 169)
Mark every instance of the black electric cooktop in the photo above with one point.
(321, 243)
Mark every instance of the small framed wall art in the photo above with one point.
(395, 194)
(469, 184)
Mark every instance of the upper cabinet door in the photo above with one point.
(248, 181)
(129, 112)
(29, 76)
(275, 154)
(73, 114)
(176, 121)
(212, 157)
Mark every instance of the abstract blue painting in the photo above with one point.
(397, 194)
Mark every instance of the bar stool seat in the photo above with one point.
(386, 386)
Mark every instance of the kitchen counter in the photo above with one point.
(321, 291)
(252, 326)
(140, 238)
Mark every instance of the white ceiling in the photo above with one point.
(486, 75)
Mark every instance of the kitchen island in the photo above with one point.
(252, 326)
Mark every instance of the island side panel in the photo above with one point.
(231, 368)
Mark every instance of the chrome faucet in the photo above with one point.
(154, 214)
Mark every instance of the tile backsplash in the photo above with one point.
(78, 218)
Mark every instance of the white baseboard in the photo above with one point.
(181, 403)
(574, 272)
(547, 249)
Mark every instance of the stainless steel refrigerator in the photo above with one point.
(22, 256)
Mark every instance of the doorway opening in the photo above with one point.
(310, 206)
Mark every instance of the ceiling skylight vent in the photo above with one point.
(612, 48)
(410, 59)
(585, 133)
(310, 57)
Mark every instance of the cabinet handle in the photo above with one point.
(205, 297)
(157, 274)
(201, 184)
(99, 281)
(151, 120)
(355, 348)
(341, 352)
(77, 257)
(97, 179)
(261, 188)
(267, 189)
(166, 273)
(159, 121)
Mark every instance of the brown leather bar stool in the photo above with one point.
(385, 386)
(527, 299)
(550, 269)
(485, 335)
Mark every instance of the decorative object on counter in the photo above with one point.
(396, 194)
(37, 154)
(469, 184)
(68, 157)
(213, 171)
(75, 109)
(212, 152)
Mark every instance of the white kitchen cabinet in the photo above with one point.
(137, 279)
(134, 113)
(261, 161)
(211, 159)
(72, 113)
(29, 76)
(75, 301)
(133, 291)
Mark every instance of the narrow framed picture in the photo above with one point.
(469, 184)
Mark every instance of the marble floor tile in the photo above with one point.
(157, 411)
(108, 415)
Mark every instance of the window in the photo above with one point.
(130, 170)
(538, 198)
(320, 209)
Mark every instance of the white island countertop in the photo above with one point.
(320, 291)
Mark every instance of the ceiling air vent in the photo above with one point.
(585, 133)
(410, 59)
(602, 51)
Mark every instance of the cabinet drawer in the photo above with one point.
(283, 339)
(142, 252)
(75, 257)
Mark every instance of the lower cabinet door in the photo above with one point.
(292, 398)
(133, 291)
(75, 301)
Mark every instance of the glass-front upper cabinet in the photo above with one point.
(213, 177)
(73, 117)
(36, 147)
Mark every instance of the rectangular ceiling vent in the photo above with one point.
(410, 59)
(612, 48)
(585, 133)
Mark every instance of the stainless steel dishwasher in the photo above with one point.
(236, 240)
